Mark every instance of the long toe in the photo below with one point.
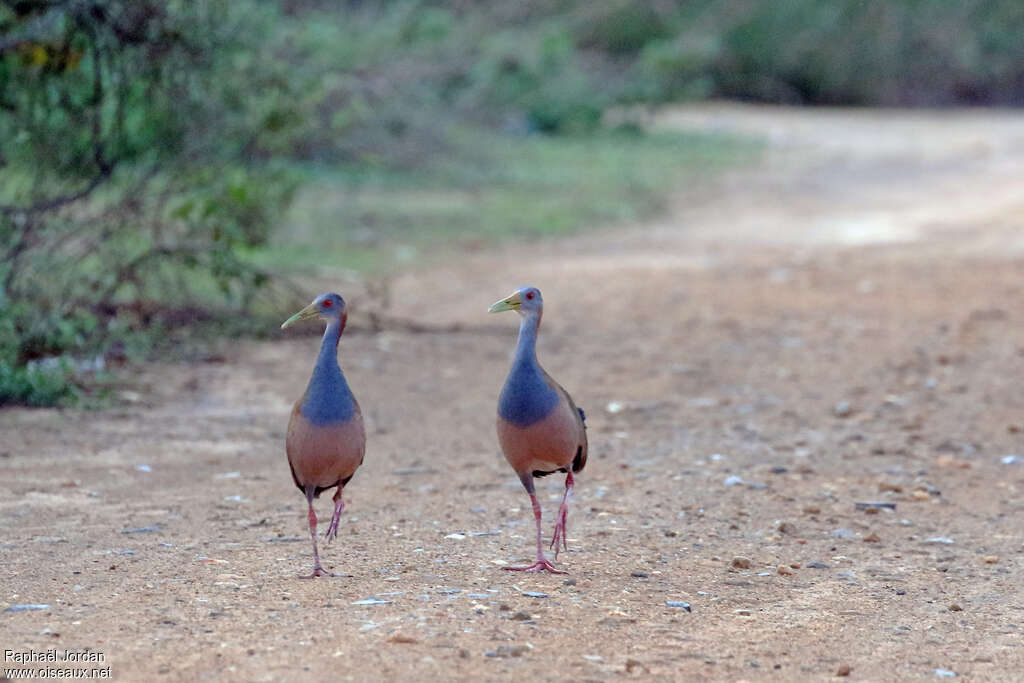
(317, 571)
(542, 565)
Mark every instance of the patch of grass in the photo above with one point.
(518, 187)
(36, 385)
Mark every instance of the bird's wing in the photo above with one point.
(580, 458)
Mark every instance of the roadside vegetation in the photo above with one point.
(162, 161)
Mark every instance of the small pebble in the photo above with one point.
(817, 565)
(634, 664)
(945, 673)
(569, 582)
(534, 594)
(678, 603)
(372, 601)
(990, 559)
(732, 481)
(741, 562)
(939, 539)
(843, 670)
(521, 616)
(872, 538)
(784, 570)
(843, 533)
(26, 608)
(874, 505)
(955, 608)
(742, 612)
(1011, 459)
(636, 573)
(842, 409)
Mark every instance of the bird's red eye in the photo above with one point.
(529, 295)
(327, 303)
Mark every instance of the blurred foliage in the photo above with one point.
(543, 186)
(385, 83)
(149, 149)
(130, 150)
(877, 52)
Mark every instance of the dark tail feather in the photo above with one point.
(578, 462)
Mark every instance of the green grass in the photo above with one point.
(493, 189)
(487, 191)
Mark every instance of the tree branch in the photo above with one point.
(57, 202)
(105, 166)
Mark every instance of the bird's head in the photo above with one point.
(327, 307)
(525, 300)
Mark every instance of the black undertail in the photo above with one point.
(320, 489)
(577, 464)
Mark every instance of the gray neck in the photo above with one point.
(526, 347)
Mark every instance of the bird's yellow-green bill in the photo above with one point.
(310, 311)
(509, 303)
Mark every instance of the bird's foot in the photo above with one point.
(559, 539)
(541, 565)
(332, 531)
(317, 571)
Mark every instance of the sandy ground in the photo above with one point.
(841, 324)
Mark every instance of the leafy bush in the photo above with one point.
(135, 169)
(865, 52)
(620, 27)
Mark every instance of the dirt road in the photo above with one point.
(840, 325)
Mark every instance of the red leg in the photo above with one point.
(561, 530)
(332, 530)
(542, 563)
(317, 569)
